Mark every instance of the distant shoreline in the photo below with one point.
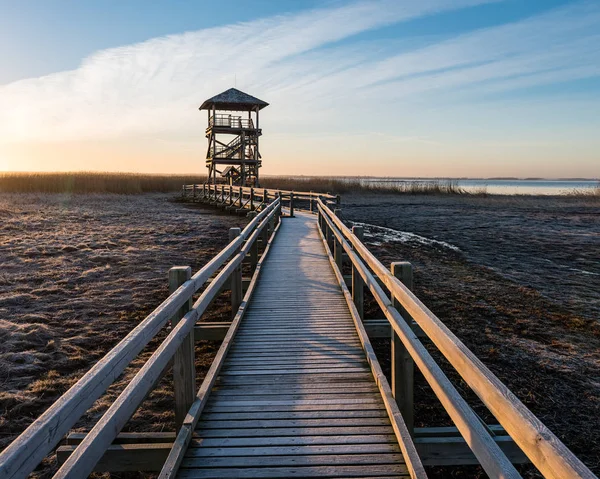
(360, 177)
(441, 178)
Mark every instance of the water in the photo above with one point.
(501, 187)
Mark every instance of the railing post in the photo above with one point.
(338, 251)
(269, 230)
(203, 191)
(230, 195)
(254, 247)
(402, 363)
(236, 277)
(265, 198)
(278, 215)
(291, 203)
(357, 281)
(184, 372)
(222, 193)
(338, 200)
(251, 199)
(193, 191)
(241, 193)
(320, 219)
(311, 201)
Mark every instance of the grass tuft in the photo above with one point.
(589, 193)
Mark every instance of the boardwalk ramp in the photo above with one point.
(296, 397)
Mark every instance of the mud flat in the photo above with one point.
(77, 273)
(518, 280)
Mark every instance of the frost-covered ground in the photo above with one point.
(518, 280)
(551, 244)
(76, 274)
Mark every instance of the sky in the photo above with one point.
(429, 88)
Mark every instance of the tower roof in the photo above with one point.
(234, 100)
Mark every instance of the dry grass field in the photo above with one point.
(77, 273)
(131, 183)
(93, 182)
(518, 280)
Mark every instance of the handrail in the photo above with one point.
(184, 435)
(82, 461)
(489, 454)
(257, 191)
(230, 121)
(538, 443)
(28, 449)
(407, 446)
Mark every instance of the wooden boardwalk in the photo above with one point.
(295, 389)
(296, 397)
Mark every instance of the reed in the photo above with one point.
(92, 182)
(133, 183)
(356, 185)
(588, 193)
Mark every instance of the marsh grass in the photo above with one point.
(78, 273)
(91, 182)
(132, 183)
(355, 185)
(589, 193)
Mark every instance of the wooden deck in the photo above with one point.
(296, 397)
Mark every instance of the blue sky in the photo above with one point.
(449, 87)
(41, 37)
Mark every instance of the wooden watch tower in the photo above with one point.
(233, 138)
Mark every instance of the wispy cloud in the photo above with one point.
(309, 68)
(153, 86)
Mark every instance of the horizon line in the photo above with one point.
(491, 178)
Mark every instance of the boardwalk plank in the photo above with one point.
(298, 472)
(293, 423)
(293, 460)
(292, 441)
(265, 415)
(295, 450)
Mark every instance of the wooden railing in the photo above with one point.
(406, 314)
(240, 199)
(230, 121)
(21, 457)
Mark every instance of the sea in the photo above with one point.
(501, 186)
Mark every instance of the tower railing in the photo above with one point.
(230, 121)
